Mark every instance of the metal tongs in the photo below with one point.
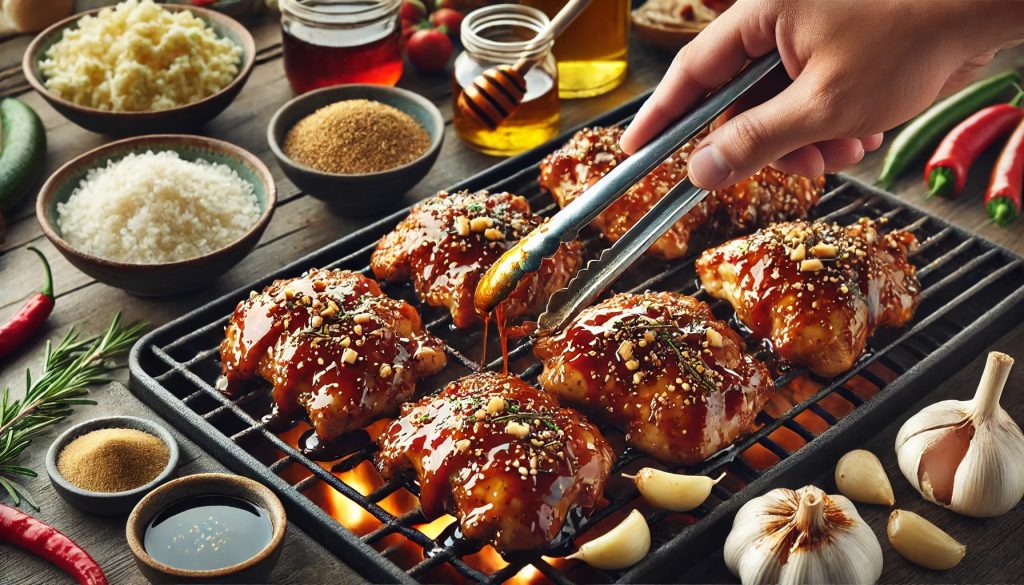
(526, 256)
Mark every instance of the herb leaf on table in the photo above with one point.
(68, 370)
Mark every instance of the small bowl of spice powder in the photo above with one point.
(357, 147)
(106, 465)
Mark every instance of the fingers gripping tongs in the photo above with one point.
(526, 256)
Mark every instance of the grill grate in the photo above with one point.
(969, 289)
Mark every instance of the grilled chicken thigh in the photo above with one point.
(659, 366)
(449, 241)
(816, 290)
(591, 153)
(331, 343)
(501, 456)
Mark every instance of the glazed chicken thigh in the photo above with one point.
(500, 455)
(449, 241)
(659, 366)
(816, 290)
(592, 153)
(332, 344)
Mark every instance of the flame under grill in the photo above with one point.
(971, 289)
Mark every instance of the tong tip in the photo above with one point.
(501, 278)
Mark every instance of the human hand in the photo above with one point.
(858, 68)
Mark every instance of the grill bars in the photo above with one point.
(967, 283)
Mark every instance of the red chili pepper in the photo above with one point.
(31, 317)
(946, 172)
(1003, 199)
(42, 540)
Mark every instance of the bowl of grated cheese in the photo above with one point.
(141, 68)
(158, 215)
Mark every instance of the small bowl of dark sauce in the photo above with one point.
(207, 528)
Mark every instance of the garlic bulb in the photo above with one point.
(966, 455)
(620, 547)
(803, 536)
(673, 491)
(860, 477)
(921, 542)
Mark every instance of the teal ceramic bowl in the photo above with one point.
(188, 117)
(173, 277)
(357, 195)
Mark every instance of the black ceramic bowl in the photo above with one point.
(357, 195)
(187, 117)
(108, 503)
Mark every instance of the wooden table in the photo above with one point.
(301, 224)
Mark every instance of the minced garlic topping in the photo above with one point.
(137, 57)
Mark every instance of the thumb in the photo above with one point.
(761, 135)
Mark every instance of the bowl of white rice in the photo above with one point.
(141, 68)
(158, 215)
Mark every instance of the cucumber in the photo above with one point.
(22, 152)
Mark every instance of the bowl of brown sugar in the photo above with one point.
(357, 147)
(106, 465)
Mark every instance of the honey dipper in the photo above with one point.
(496, 93)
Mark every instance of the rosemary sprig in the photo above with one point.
(68, 370)
(701, 379)
(667, 333)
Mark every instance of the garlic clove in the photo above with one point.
(673, 491)
(965, 455)
(990, 479)
(620, 547)
(923, 543)
(803, 536)
(860, 477)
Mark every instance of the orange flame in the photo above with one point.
(365, 479)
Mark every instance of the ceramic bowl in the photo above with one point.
(357, 195)
(108, 503)
(254, 570)
(172, 277)
(666, 38)
(190, 116)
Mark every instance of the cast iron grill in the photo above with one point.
(971, 290)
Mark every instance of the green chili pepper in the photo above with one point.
(926, 130)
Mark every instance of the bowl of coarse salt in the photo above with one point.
(158, 215)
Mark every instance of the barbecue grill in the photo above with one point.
(972, 292)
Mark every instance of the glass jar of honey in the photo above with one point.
(330, 42)
(497, 35)
(592, 52)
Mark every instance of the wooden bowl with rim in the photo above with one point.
(654, 29)
(169, 278)
(187, 117)
(254, 570)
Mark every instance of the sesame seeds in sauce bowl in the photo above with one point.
(359, 148)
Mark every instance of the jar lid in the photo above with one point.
(340, 12)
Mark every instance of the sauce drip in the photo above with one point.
(483, 351)
(208, 532)
(499, 319)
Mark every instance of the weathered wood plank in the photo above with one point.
(302, 224)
